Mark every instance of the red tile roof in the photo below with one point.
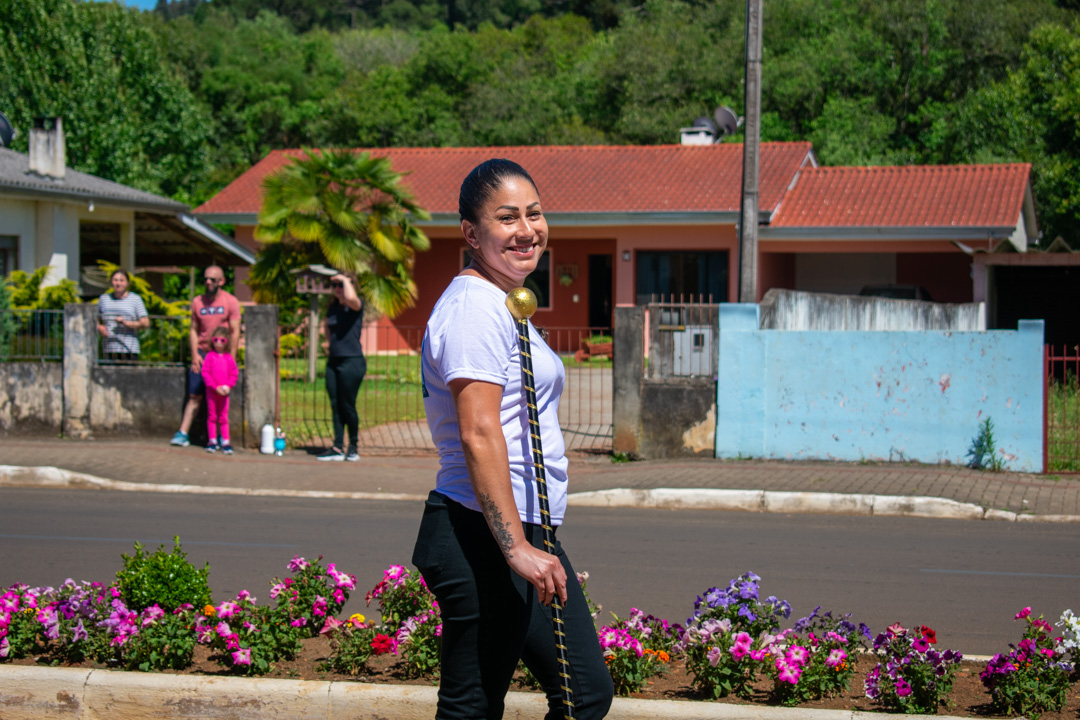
(572, 179)
(915, 196)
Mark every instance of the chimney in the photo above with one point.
(48, 155)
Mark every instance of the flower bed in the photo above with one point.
(731, 649)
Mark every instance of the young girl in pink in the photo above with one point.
(220, 373)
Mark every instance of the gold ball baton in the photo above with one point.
(522, 304)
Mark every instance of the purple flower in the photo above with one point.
(747, 613)
(921, 645)
(902, 688)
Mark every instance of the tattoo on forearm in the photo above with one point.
(499, 529)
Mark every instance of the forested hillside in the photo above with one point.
(183, 99)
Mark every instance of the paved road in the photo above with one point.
(964, 578)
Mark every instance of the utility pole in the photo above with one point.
(748, 222)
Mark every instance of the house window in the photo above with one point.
(695, 276)
(9, 254)
(539, 280)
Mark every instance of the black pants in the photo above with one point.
(492, 618)
(343, 378)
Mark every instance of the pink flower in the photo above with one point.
(759, 655)
(277, 590)
(330, 625)
(5, 647)
(714, 656)
(242, 656)
(297, 564)
(896, 629)
(319, 606)
(836, 657)
(245, 595)
(789, 673)
(1023, 613)
(227, 609)
(797, 655)
(9, 602)
(223, 630)
(299, 622)
(339, 597)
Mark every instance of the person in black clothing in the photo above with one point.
(345, 364)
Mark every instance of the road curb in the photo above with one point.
(803, 502)
(770, 501)
(31, 693)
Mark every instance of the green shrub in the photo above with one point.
(165, 579)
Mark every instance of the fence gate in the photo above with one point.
(390, 404)
(1061, 399)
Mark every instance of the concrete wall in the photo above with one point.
(660, 418)
(877, 395)
(31, 398)
(80, 398)
(797, 310)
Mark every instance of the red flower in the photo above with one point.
(382, 644)
(929, 634)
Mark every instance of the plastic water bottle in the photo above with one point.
(266, 439)
(279, 443)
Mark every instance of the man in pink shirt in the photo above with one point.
(214, 308)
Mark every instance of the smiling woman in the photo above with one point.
(481, 546)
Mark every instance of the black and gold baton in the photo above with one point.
(522, 305)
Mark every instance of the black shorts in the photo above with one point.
(195, 384)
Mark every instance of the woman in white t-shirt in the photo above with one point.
(121, 315)
(480, 546)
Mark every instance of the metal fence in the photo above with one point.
(1061, 399)
(32, 335)
(390, 404)
(682, 340)
(164, 344)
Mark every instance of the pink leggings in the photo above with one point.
(217, 412)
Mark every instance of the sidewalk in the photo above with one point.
(764, 485)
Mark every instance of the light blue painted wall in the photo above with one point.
(877, 395)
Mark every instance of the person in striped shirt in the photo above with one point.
(121, 315)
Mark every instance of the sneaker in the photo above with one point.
(211, 447)
(180, 439)
(226, 448)
(351, 455)
(331, 455)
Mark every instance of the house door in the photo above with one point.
(600, 291)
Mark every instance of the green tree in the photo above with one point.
(354, 211)
(127, 116)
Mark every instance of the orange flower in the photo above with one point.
(209, 611)
(664, 657)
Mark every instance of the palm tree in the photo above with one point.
(344, 209)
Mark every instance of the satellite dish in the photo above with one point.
(726, 120)
(708, 124)
(7, 133)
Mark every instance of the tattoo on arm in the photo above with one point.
(499, 529)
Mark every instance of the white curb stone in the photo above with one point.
(823, 503)
(929, 507)
(34, 692)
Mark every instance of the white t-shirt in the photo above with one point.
(471, 334)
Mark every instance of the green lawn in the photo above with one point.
(1063, 425)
